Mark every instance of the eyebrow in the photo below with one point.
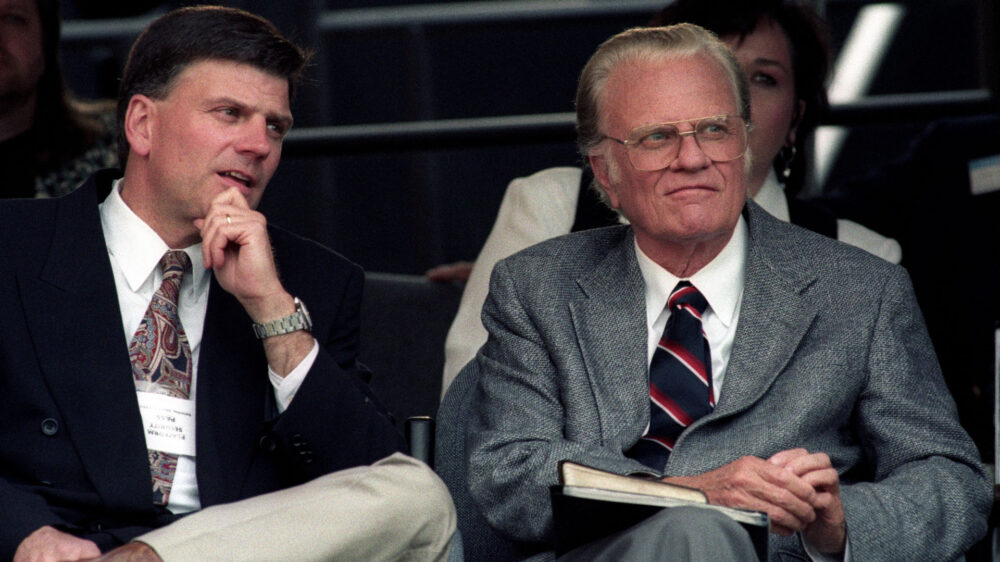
(764, 61)
(284, 119)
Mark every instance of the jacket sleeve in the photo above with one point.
(515, 436)
(23, 512)
(929, 495)
(535, 208)
(335, 421)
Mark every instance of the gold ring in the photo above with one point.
(229, 219)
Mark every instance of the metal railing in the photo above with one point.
(359, 19)
(516, 129)
(477, 13)
(560, 127)
(431, 135)
(910, 107)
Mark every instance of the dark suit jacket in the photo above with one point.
(830, 354)
(72, 450)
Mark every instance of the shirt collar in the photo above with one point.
(136, 247)
(771, 197)
(721, 281)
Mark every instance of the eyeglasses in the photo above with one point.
(654, 147)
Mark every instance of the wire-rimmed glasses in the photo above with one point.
(654, 147)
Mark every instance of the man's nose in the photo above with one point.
(689, 153)
(254, 138)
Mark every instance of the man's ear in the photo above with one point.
(139, 119)
(600, 165)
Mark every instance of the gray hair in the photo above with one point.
(648, 44)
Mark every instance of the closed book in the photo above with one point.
(590, 504)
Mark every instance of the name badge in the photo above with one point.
(168, 423)
(984, 174)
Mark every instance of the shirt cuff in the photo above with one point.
(817, 556)
(285, 388)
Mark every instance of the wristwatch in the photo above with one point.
(298, 320)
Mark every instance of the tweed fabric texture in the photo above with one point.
(830, 354)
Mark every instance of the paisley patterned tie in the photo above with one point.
(161, 359)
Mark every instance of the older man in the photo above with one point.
(160, 380)
(711, 345)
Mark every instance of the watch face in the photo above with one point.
(303, 313)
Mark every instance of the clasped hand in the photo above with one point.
(235, 245)
(800, 491)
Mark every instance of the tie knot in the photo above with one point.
(174, 263)
(686, 294)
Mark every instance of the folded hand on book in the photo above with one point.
(590, 503)
(828, 532)
(798, 490)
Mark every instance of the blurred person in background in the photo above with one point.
(50, 142)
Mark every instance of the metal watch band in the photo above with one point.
(298, 320)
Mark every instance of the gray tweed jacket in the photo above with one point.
(831, 354)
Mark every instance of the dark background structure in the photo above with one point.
(419, 113)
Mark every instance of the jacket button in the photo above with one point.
(50, 427)
(96, 526)
(306, 456)
(268, 444)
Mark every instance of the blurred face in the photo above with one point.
(692, 201)
(220, 126)
(21, 57)
(766, 59)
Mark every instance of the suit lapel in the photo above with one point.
(610, 323)
(75, 323)
(774, 317)
(232, 373)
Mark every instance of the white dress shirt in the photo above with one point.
(135, 251)
(721, 283)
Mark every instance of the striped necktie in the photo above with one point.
(680, 378)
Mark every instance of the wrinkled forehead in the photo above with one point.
(641, 91)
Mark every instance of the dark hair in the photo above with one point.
(188, 35)
(63, 126)
(808, 36)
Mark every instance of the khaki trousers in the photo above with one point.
(395, 509)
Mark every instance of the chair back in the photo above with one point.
(404, 321)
